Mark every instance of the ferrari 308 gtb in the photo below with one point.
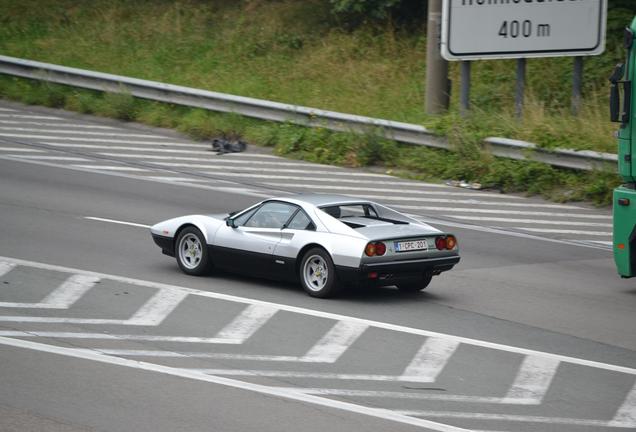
(323, 241)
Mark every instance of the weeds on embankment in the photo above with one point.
(292, 52)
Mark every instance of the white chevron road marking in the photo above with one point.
(248, 322)
(6, 267)
(194, 375)
(335, 342)
(430, 360)
(533, 380)
(63, 296)
(109, 336)
(626, 414)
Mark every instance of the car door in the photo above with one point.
(248, 246)
(294, 236)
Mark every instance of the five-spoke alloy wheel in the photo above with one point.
(317, 273)
(192, 252)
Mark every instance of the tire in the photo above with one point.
(416, 285)
(191, 252)
(318, 274)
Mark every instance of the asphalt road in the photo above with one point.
(529, 332)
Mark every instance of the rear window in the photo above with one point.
(350, 210)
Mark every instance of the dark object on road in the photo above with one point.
(222, 146)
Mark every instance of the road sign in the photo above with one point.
(487, 29)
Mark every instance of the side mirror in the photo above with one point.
(230, 222)
(620, 96)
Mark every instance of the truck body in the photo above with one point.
(624, 202)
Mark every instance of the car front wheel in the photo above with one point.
(192, 252)
(416, 285)
(318, 274)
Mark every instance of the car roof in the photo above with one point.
(320, 200)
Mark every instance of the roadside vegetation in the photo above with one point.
(357, 57)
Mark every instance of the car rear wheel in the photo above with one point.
(318, 274)
(192, 252)
(417, 284)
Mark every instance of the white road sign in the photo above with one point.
(486, 29)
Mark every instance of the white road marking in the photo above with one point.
(293, 374)
(21, 149)
(533, 379)
(72, 125)
(311, 169)
(252, 318)
(565, 231)
(116, 221)
(6, 267)
(63, 296)
(411, 395)
(157, 308)
(76, 132)
(514, 212)
(532, 221)
(626, 415)
(7, 110)
(205, 355)
(335, 342)
(52, 158)
(327, 315)
(152, 147)
(189, 374)
(104, 140)
(175, 179)
(507, 417)
(111, 168)
(420, 191)
(108, 336)
(430, 360)
(28, 116)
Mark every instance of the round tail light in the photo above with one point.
(440, 243)
(451, 242)
(370, 249)
(380, 248)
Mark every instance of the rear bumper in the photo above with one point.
(389, 273)
(165, 243)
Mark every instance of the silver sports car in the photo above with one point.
(325, 241)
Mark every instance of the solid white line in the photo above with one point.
(116, 222)
(531, 221)
(514, 212)
(21, 149)
(310, 169)
(75, 132)
(158, 307)
(293, 374)
(63, 296)
(189, 374)
(151, 338)
(6, 267)
(561, 231)
(7, 110)
(533, 379)
(252, 318)
(626, 414)
(106, 140)
(430, 360)
(411, 395)
(220, 159)
(335, 342)
(110, 168)
(25, 116)
(175, 179)
(52, 158)
(507, 417)
(420, 191)
(205, 355)
(73, 125)
(329, 315)
(152, 147)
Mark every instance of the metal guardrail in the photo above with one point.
(279, 112)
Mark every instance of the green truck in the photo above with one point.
(621, 97)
